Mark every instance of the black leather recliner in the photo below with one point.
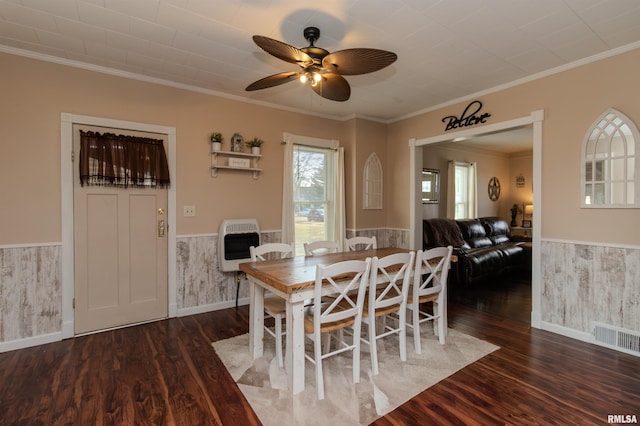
(485, 249)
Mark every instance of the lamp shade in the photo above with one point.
(527, 216)
(528, 210)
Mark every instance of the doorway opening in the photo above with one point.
(534, 120)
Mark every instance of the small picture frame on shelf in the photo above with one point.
(526, 224)
(237, 142)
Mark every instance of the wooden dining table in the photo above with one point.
(293, 279)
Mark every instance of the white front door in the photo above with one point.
(120, 251)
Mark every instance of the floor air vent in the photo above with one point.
(617, 338)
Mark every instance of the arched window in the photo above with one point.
(610, 163)
(372, 183)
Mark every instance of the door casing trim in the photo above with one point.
(67, 121)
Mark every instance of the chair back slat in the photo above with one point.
(360, 243)
(432, 268)
(269, 251)
(315, 248)
(394, 272)
(347, 280)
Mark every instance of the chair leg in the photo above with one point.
(356, 352)
(402, 335)
(416, 328)
(278, 319)
(441, 330)
(373, 344)
(317, 350)
(327, 343)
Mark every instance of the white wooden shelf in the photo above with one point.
(220, 156)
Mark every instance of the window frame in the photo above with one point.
(468, 190)
(335, 215)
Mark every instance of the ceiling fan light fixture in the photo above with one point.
(313, 77)
(320, 66)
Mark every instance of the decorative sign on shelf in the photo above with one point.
(468, 118)
(239, 162)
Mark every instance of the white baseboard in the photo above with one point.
(211, 307)
(536, 319)
(173, 310)
(68, 329)
(567, 332)
(27, 342)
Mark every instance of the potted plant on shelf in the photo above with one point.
(255, 145)
(216, 141)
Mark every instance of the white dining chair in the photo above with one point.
(320, 247)
(274, 306)
(344, 310)
(430, 285)
(360, 243)
(389, 283)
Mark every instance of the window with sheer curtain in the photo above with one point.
(313, 191)
(117, 160)
(462, 190)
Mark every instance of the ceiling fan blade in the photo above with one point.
(283, 51)
(333, 87)
(358, 61)
(273, 80)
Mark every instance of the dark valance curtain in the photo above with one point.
(118, 160)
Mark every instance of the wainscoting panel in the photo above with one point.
(30, 291)
(387, 237)
(199, 280)
(582, 283)
(31, 283)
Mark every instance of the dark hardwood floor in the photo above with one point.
(167, 373)
(508, 295)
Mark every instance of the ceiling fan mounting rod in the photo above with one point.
(311, 34)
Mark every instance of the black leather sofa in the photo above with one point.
(483, 247)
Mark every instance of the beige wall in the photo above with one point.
(572, 101)
(35, 93)
(370, 137)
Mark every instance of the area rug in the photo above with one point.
(264, 384)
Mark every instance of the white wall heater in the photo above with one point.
(234, 240)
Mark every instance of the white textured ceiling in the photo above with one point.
(447, 49)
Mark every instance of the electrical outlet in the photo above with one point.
(189, 211)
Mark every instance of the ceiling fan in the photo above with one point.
(322, 70)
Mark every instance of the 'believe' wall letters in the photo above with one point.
(468, 117)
